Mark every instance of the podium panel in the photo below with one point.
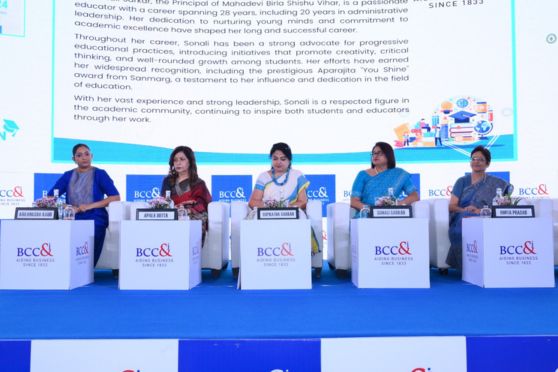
(275, 254)
(508, 252)
(54, 254)
(160, 255)
(390, 253)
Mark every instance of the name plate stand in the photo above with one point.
(519, 211)
(157, 214)
(275, 254)
(278, 214)
(23, 213)
(508, 252)
(390, 254)
(157, 255)
(402, 211)
(46, 254)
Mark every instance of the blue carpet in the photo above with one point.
(333, 308)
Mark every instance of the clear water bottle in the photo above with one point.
(365, 211)
(45, 194)
(498, 198)
(391, 196)
(182, 213)
(69, 213)
(486, 212)
(169, 199)
(59, 204)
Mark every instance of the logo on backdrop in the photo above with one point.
(397, 254)
(11, 195)
(520, 254)
(538, 190)
(154, 256)
(143, 187)
(420, 369)
(44, 182)
(231, 188)
(322, 188)
(9, 128)
(441, 192)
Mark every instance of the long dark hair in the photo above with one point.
(192, 171)
(388, 153)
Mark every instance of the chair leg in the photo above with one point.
(235, 272)
(331, 266)
(225, 265)
(318, 272)
(342, 273)
(215, 273)
(443, 272)
(115, 273)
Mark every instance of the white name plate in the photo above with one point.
(403, 211)
(277, 213)
(519, 211)
(36, 213)
(156, 214)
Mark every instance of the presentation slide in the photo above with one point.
(135, 78)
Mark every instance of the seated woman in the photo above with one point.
(374, 182)
(281, 185)
(186, 188)
(85, 188)
(470, 193)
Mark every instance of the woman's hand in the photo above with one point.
(471, 209)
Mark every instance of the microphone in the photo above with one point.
(508, 190)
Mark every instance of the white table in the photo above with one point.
(160, 255)
(54, 254)
(508, 252)
(390, 253)
(275, 254)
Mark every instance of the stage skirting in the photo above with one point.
(452, 326)
(397, 354)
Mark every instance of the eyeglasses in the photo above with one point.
(376, 153)
(480, 160)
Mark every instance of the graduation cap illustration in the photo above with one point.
(462, 116)
(9, 127)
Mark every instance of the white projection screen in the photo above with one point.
(134, 79)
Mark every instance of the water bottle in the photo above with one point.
(391, 196)
(59, 204)
(498, 198)
(169, 199)
(182, 213)
(365, 211)
(45, 194)
(486, 212)
(69, 213)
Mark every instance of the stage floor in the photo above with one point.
(333, 308)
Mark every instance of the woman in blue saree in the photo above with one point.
(470, 193)
(374, 182)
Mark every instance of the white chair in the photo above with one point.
(338, 230)
(549, 208)
(215, 252)
(239, 211)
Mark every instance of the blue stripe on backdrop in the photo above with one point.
(118, 153)
(525, 354)
(249, 355)
(15, 356)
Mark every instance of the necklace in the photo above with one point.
(274, 179)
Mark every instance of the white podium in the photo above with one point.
(275, 254)
(508, 252)
(46, 254)
(160, 255)
(390, 253)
